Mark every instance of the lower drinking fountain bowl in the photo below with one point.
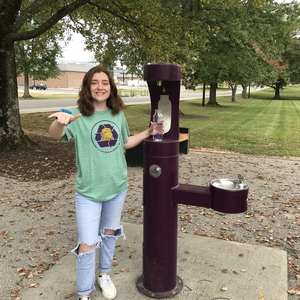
(229, 195)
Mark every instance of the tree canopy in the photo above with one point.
(292, 58)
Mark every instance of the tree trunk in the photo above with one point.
(12, 136)
(26, 93)
(233, 88)
(213, 95)
(277, 91)
(244, 92)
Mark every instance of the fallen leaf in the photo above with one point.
(295, 291)
(225, 271)
(69, 295)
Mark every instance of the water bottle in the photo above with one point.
(158, 125)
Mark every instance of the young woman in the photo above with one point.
(100, 131)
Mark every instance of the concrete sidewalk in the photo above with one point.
(210, 269)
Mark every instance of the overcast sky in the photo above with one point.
(75, 50)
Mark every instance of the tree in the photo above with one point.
(274, 72)
(241, 37)
(277, 86)
(36, 58)
(132, 29)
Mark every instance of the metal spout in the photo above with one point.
(239, 181)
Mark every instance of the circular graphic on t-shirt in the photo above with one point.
(105, 136)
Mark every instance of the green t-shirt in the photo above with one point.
(100, 160)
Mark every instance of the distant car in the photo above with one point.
(38, 86)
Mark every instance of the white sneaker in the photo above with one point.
(109, 291)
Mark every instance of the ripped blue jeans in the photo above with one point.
(92, 219)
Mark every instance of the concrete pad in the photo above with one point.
(210, 269)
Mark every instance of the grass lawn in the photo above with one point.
(268, 127)
(259, 125)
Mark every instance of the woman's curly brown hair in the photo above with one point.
(85, 101)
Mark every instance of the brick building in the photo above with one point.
(72, 74)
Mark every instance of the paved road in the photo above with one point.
(31, 106)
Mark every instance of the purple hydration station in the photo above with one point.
(162, 192)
